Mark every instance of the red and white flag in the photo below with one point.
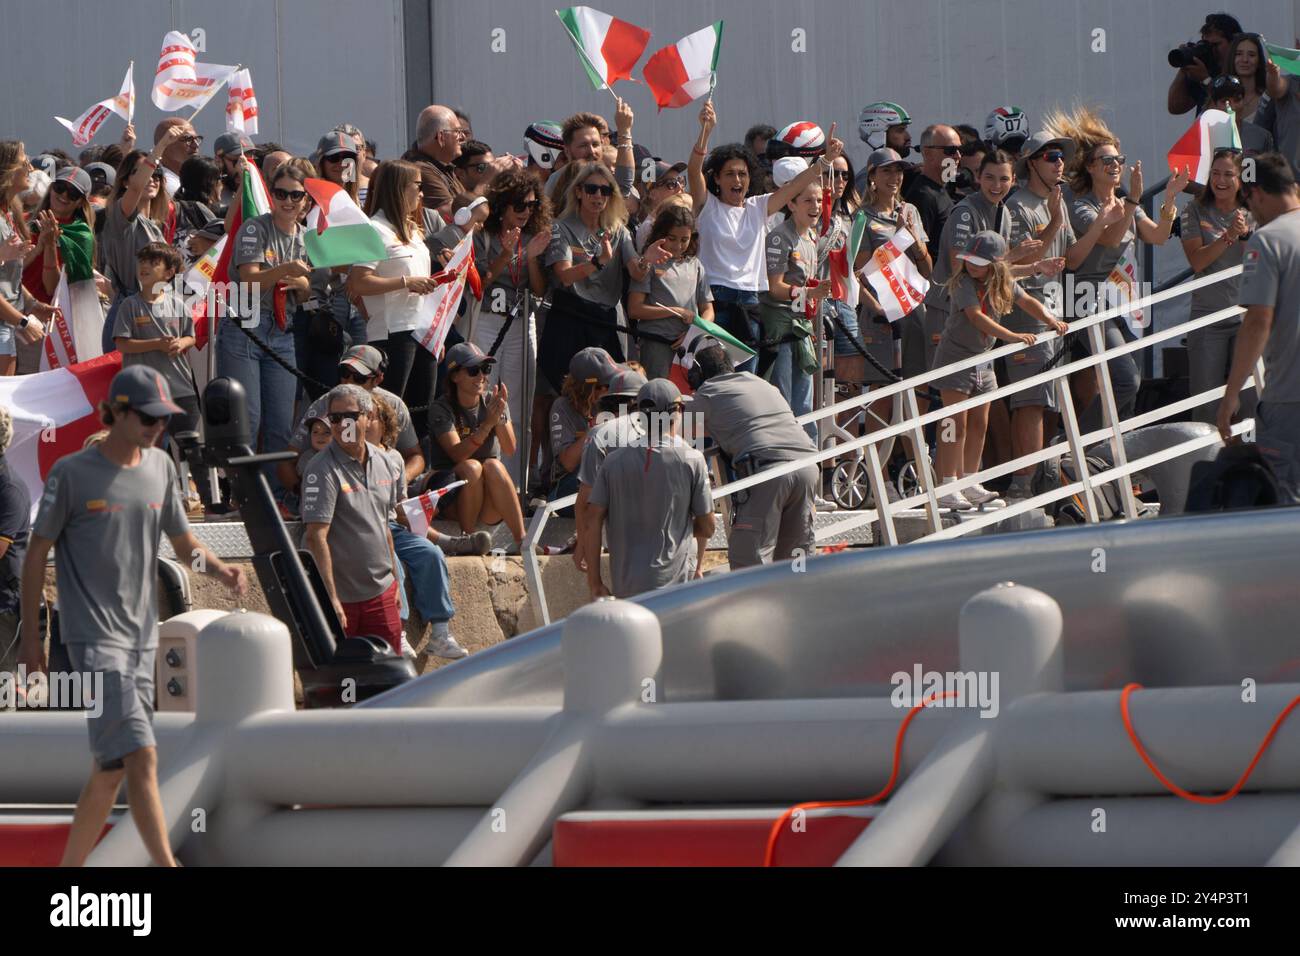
(54, 413)
(421, 511)
(180, 80)
(241, 104)
(898, 285)
(438, 308)
(85, 126)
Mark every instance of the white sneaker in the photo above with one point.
(955, 501)
(445, 646)
(822, 504)
(407, 650)
(980, 496)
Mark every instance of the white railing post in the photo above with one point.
(532, 567)
(877, 476)
(1110, 413)
(921, 459)
(1071, 423)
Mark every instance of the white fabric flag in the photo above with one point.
(241, 104)
(898, 285)
(182, 81)
(438, 308)
(74, 331)
(421, 511)
(1121, 288)
(85, 126)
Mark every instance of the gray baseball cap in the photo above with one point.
(102, 174)
(142, 388)
(1039, 142)
(625, 384)
(76, 177)
(984, 248)
(335, 142)
(466, 355)
(884, 157)
(231, 144)
(365, 360)
(659, 395)
(592, 365)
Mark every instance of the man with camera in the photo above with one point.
(1198, 62)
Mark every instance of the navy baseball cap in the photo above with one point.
(142, 388)
(592, 365)
(466, 355)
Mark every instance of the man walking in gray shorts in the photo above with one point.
(106, 508)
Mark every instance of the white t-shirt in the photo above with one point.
(396, 311)
(732, 243)
(171, 180)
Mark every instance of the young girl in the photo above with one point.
(981, 291)
(664, 304)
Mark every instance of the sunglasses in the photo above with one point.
(66, 190)
(947, 150)
(338, 418)
(157, 174)
(1112, 160)
(346, 375)
(479, 168)
(841, 174)
(530, 206)
(191, 140)
(476, 371)
(1052, 155)
(148, 421)
(592, 189)
(294, 195)
(672, 183)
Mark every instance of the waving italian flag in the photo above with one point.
(686, 70)
(338, 232)
(1212, 131)
(609, 47)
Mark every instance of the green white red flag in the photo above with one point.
(1286, 58)
(609, 47)
(1213, 130)
(214, 265)
(338, 233)
(74, 333)
(686, 70)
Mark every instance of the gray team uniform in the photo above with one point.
(626, 431)
(1030, 214)
(406, 439)
(106, 522)
(1209, 350)
(1271, 277)
(962, 340)
(973, 214)
(652, 547)
(678, 284)
(566, 425)
(753, 424)
(167, 316)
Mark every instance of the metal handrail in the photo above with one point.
(915, 422)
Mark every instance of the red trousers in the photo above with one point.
(380, 616)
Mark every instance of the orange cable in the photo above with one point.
(774, 834)
(1173, 787)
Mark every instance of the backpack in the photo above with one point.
(1056, 473)
(1240, 477)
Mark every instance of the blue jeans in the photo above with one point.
(270, 388)
(794, 383)
(724, 296)
(427, 568)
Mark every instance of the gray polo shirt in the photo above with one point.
(973, 214)
(355, 500)
(442, 419)
(106, 522)
(960, 331)
(1209, 222)
(1283, 117)
(651, 547)
(792, 253)
(1084, 211)
(1030, 214)
(120, 239)
(678, 284)
(406, 438)
(260, 242)
(571, 240)
(625, 432)
(746, 415)
(566, 425)
(138, 320)
(499, 297)
(1271, 277)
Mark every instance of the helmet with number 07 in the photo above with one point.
(877, 118)
(1007, 127)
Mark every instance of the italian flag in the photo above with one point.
(1213, 130)
(54, 412)
(338, 232)
(1286, 58)
(686, 70)
(214, 266)
(898, 286)
(74, 332)
(684, 352)
(421, 511)
(609, 47)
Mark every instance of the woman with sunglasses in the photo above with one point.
(66, 202)
(509, 250)
(1093, 175)
(15, 249)
(269, 254)
(590, 248)
(1215, 227)
(668, 182)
